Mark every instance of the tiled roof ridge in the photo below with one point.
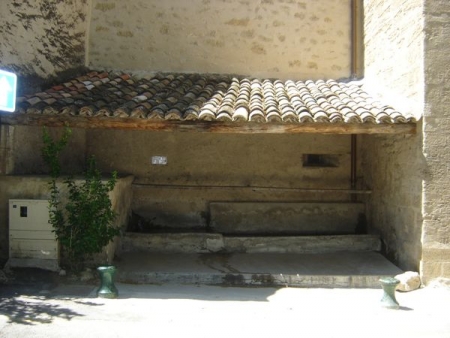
(211, 97)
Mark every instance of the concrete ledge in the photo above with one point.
(303, 244)
(45, 264)
(337, 270)
(285, 218)
(262, 280)
(172, 242)
(207, 242)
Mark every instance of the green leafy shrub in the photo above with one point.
(84, 224)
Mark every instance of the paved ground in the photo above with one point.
(46, 308)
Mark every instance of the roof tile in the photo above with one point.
(190, 97)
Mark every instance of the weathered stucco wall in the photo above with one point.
(283, 38)
(393, 166)
(232, 164)
(39, 39)
(24, 144)
(43, 37)
(436, 186)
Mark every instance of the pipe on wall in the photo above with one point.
(357, 39)
(353, 168)
(357, 71)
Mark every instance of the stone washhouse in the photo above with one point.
(270, 119)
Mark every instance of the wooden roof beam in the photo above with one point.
(87, 122)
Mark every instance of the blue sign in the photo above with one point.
(8, 86)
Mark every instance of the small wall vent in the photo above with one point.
(320, 160)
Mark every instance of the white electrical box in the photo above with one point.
(32, 242)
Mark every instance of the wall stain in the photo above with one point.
(215, 43)
(125, 34)
(117, 24)
(281, 38)
(299, 15)
(101, 29)
(104, 6)
(312, 65)
(277, 23)
(248, 34)
(238, 22)
(265, 38)
(295, 63)
(258, 48)
(164, 29)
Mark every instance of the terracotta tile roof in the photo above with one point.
(187, 97)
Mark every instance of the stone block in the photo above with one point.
(436, 255)
(285, 218)
(409, 281)
(430, 271)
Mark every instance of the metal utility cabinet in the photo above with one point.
(31, 240)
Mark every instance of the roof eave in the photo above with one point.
(125, 123)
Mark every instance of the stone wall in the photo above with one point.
(436, 186)
(40, 39)
(22, 150)
(394, 166)
(204, 168)
(393, 43)
(393, 169)
(283, 38)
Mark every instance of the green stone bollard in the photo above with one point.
(388, 300)
(107, 288)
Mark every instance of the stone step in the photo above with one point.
(334, 270)
(212, 242)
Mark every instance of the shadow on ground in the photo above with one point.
(32, 311)
(48, 285)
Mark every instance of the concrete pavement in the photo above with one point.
(333, 269)
(71, 310)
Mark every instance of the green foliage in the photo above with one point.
(84, 225)
(52, 149)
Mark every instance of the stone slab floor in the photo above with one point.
(71, 310)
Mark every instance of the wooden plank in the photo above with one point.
(204, 126)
